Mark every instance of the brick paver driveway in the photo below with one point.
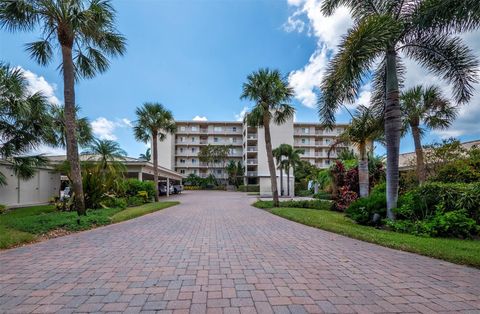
(215, 253)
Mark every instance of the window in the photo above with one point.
(181, 149)
(182, 161)
(216, 139)
(231, 139)
(194, 171)
(327, 141)
(234, 129)
(219, 171)
(305, 141)
(182, 139)
(217, 129)
(306, 130)
(193, 139)
(182, 171)
(182, 128)
(327, 162)
(233, 151)
(193, 149)
(234, 140)
(194, 161)
(194, 129)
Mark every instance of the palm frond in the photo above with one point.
(41, 51)
(17, 15)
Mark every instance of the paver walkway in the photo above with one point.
(214, 253)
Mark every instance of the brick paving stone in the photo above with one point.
(214, 253)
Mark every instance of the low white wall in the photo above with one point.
(266, 186)
(35, 191)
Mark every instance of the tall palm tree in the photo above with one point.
(279, 154)
(85, 33)
(153, 124)
(386, 30)
(292, 159)
(271, 94)
(364, 129)
(58, 133)
(147, 155)
(24, 123)
(425, 108)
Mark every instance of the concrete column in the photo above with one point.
(168, 187)
(140, 176)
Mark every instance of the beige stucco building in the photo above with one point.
(179, 152)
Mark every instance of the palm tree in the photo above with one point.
(292, 159)
(279, 154)
(85, 33)
(383, 30)
(427, 107)
(271, 94)
(153, 124)
(58, 133)
(364, 129)
(24, 123)
(147, 156)
(107, 154)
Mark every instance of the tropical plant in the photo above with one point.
(235, 172)
(147, 156)
(215, 156)
(292, 160)
(271, 94)
(24, 123)
(85, 33)
(425, 108)
(153, 124)
(279, 154)
(57, 137)
(384, 30)
(107, 154)
(364, 129)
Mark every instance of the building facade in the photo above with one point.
(179, 151)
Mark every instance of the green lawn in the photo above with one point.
(27, 224)
(453, 250)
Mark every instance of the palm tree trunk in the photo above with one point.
(271, 163)
(155, 163)
(281, 181)
(393, 125)
(363, 182)
(288, 181)
(70, 128)
(421, 172)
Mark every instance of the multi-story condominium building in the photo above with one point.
(179, 152)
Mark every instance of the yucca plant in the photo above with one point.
(385, 30)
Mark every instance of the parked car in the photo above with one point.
(177, 188)
(162, 189)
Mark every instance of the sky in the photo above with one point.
(193, 57)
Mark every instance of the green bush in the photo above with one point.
(322, 195)
(135, 201)
(114, 202)
(458, 171)
(363, 209)
(312, 204)
(3, 208)
(303, 193)
(249, 188)
(133, 187)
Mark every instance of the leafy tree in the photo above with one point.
(215, 156)
(147, 156)
(24, 123)
(425, 108)
(271, 94)
(84, 33)
(107, 154)
(292, 159)
(364, 129)
(279, 154)
(57, 136)
(383, 30)
(153, 124)
(235, 172)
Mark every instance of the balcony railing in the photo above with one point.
(252, 149)
(252, 137)
(252, 174)
(252, 161)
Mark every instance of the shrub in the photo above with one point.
(322, 195)
(363, 209)
(3, 208)
(114, 202)
(191, 187)
(458, 171)
(134, 186)
(249, 188)
(135, 201)
(303, 193)
(344, 198)
(312, 204)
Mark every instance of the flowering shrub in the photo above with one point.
(344, 199)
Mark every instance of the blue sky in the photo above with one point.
(193, 57)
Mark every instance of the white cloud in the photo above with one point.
(241, 115)
(199, 118)
(104, 129)
(328, 30)
(38, 83)
(49, 151)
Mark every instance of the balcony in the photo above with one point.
(252, 174)
(252, 149)
(252, 137)
(252, 161)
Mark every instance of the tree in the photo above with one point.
(383, 30)
(147, 156)
(235, 172)
(107, 154)
(425, 108)
(292, 159)
(279, 154)
(58, 134)
(24, 123)
(271, 94)
(364, 129)
(153, 124)
(85, 33)
(213, 155)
